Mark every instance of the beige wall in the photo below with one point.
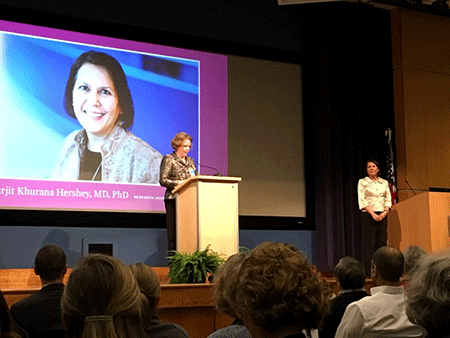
(265, 136)
(421, 61)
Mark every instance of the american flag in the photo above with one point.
(390, 167)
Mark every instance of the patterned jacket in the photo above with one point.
(173, 170)
(125, 158)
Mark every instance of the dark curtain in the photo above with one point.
(348, 106)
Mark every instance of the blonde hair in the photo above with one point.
(178, 139)
(277, 287)
(102, 300)
(224, 288)
(148, 282)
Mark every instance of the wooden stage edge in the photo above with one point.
(190, 305)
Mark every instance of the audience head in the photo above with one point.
(350, 273)
(5, 320)
(50, 263)
(428, 295)
(276, 290)
(4, 314)
(148, 283)
(413, 254)
(102, 299)
(387, 266)
(225, 281)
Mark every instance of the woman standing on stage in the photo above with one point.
(175, 168)
(374, 198)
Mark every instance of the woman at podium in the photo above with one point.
(374, 198)
(175, 168)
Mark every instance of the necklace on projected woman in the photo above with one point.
(96, 172)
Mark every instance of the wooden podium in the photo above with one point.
(207, 214)
(422, 220)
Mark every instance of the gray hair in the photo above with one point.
(428, 295)
(413, 254)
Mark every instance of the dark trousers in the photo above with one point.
(170, 223)
(374, 237)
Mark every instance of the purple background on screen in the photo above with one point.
(212, 134)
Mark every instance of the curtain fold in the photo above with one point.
(348, 100)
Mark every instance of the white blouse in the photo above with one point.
(375, 194)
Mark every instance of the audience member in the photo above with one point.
(383, 314)
(102, 300)
(350, 275)
(40, 314)
(5, 320)
(278, 294)
(428, 296)
(224, 290)
(413, 254)
(149, 285)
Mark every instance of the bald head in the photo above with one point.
(389, 263)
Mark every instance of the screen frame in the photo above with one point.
(212, 131)
(174, 39)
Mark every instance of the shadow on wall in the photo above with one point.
(62, 239)
(302, 239)
(159, 258)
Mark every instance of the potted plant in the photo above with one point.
(193, 268)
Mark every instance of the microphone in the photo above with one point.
(215, 169)
(410, 188)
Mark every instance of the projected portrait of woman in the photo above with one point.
(98, 96)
